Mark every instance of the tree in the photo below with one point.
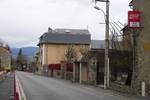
(84, 53)
(121, 62)
(21, 61)
(70, 54)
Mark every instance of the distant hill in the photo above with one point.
(27, 51)
(97, 44)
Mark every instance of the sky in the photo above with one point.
(22, 22)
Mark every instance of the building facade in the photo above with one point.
(54, 46)
(142, 68)
(5, 58)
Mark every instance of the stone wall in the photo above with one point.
(120, 88)
(142, 68)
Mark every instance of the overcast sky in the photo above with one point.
(22, 22)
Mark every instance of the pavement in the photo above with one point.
(7, 87)
(43, 88)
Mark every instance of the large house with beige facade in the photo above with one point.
(54, 46)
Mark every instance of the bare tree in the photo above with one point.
(70, 54)
(84, 53)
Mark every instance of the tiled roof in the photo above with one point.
(66, 36)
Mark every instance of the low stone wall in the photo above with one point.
(2, 75)
(57, 74)
(63, 75)
(69, 76)
(121, 88)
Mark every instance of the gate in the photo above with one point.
(100, 73)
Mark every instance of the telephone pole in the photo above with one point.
(107, 72)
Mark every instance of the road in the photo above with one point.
(43, 88)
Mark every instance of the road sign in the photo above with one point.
(134, 20)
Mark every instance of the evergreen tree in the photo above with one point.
(21, 61)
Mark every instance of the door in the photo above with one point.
(100, 73)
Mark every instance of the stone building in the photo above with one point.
(142, 68)
(5, 58)
(127, 39)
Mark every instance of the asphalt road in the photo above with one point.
(44, 88)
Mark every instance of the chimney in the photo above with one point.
(50, 30)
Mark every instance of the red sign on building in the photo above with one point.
(134, 20)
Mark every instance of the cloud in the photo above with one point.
(23, 21)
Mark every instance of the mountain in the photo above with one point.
(29, 52)
(97, 44)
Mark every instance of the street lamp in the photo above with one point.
(131, 4)
(97, 8)
(107, 73)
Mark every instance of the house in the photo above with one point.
(142, 68)
(60, 46)
(127, 41)
(5, 58)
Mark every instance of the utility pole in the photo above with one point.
(107, 72)
(107, 45)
